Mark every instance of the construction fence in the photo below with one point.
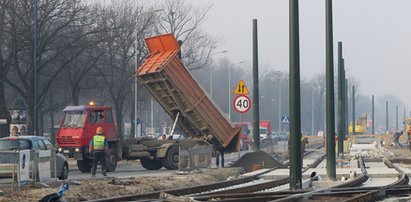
(20, 167)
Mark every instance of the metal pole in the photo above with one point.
(312, 112)
(373, 115)
(256, 107)
(136, 87)
(340, 102)
(346, 107)
(152, 115)
(344, 91)
(386, 116)
(229, 93)
(279, 106)
(331, 172)
(353, 109)
(35, 61)
(295, 102)
(396, 117)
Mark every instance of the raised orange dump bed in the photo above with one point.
(166, 78)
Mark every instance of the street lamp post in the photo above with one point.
(229, 89)
(135, 78)
(279, 105)
(211, 74)
(312, 112)
(229, 93)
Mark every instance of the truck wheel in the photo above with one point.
(111, 162)
(84, 166)
(150, 164)
(171, 160)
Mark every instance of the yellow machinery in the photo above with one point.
(407, 123)
(360, 125)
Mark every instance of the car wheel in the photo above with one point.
(64, 172)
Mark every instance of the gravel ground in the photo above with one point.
(108, 187)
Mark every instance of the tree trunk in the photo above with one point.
(4, 113)
(119, 119)
(41, 124)
(75, 94)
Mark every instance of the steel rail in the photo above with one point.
(262, 186)
(343, 194)
(350, 183)
(213, 186)
(186, 190)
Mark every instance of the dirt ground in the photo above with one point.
(108, 187)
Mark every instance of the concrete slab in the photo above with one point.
(276, 174)
(405, 168)
(373, 182)
(379, 172)
(322, 172)
(254, 172)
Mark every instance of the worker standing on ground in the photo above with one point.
(220, 152)
(397, 136)
(409, 137)
(98, 148)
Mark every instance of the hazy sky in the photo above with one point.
(375, 35)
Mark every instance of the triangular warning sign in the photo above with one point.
(241, 88)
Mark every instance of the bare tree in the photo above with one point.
(63, 26)
(184, 21)
(118, 63)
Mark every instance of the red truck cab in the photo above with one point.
(245, 136)
(266, 130)
(79, 127)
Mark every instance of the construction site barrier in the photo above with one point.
(20, 167)
(194, 158)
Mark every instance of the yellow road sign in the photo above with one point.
(241, 88)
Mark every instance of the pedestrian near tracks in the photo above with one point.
(409, 137)
(220, 152)
(98, 148)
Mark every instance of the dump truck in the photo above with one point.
(164, 75)
(360, 125)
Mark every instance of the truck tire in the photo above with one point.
(171, 160)
(150, 164)
(111, 161)
(84, 166)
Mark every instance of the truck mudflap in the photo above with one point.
(166, 78)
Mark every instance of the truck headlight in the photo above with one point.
(77, 150)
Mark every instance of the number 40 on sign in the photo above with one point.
(242, 103)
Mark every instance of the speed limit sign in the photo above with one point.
(242, 104)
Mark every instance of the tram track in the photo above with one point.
(252, 188)
(223, 187)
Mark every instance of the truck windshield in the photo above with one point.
(74, 119)
(263, 130)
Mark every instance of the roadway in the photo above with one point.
(127, 169)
